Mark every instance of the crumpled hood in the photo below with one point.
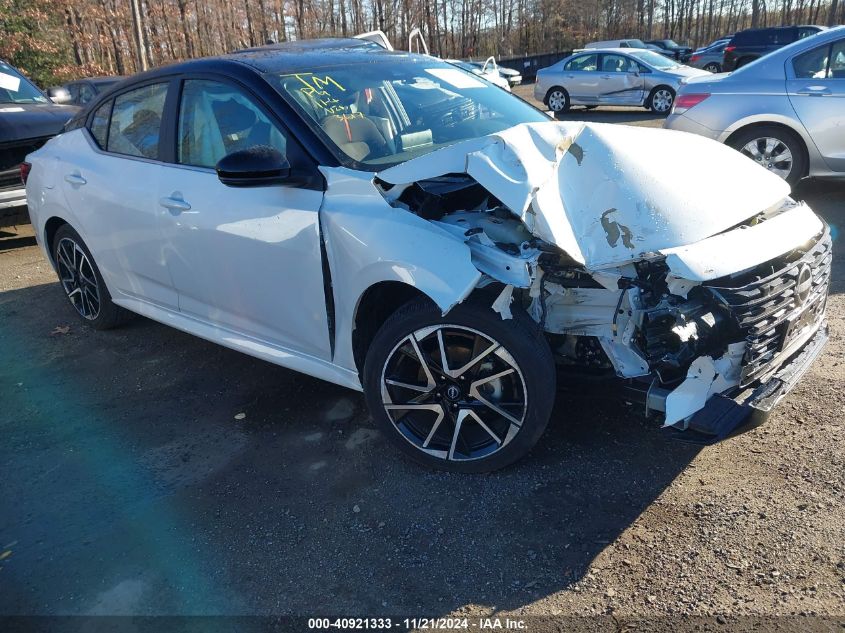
(608, 194)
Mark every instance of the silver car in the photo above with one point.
(710, 58)
(785, 110)
(612, 76)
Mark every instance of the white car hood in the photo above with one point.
(608, 194)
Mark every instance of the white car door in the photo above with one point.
(110, 186)
(247, 259)
(816, 88)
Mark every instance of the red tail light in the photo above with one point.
(730, 49)
(25, 168)
(687, 101)
(695, 58)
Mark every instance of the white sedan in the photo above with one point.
(393, 224)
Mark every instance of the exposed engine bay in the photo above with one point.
(679, 340)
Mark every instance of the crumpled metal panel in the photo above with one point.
(608, 194)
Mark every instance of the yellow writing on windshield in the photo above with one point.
(320, 89)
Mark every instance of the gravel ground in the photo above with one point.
(148, 472)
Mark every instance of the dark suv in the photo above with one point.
(27, 120)
(748, 45)
(671, 49)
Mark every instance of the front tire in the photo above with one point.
(469, 392)
(774, 148)
(558, 100)
(661, 99)
(82, 282)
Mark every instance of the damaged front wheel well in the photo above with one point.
(374, 308)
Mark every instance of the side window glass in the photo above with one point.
(100, 124)
(135, 127)
(837, 61)
(624, 45)
(86, 93)
(614, 64)
(216, 119)
(583, 62)
(812, 64)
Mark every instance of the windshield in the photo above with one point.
(382, 114)
(636, 44)
(671, 44)
(15, 88)
(655, 60)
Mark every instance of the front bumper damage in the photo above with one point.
(632, 265)
(739, 409)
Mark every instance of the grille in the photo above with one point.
(11, 156)
(775, 303)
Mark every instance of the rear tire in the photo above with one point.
(713, 67)
(745, 60)
(775, 148)
(82, 282)
(557, 99)
(661, 99)
(486, 409)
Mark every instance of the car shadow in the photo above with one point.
(611, 115)
(261, 489)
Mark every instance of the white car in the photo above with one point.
(488, 72)
(392, 224)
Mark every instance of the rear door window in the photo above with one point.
(813, 64)
(135, 128)
(582, 62)
(836, 65)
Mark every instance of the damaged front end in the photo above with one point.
(708, 308)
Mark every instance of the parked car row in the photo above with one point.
(786, 110)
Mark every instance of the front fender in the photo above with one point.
(368, 241)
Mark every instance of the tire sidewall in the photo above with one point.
(520, 336)
(652, 96)
(109, 314)
(799, 166)
(566, 101)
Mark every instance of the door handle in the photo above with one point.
(175, 205)
(75, 179)
(605, 76)
(815, 91)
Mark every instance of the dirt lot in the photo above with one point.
(148, 472)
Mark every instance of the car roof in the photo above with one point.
(608, 49)
(289, 57)
(97, 80)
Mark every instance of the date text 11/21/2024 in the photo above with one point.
(417, 624)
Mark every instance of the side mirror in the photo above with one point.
(59, 95)
(256, 166)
